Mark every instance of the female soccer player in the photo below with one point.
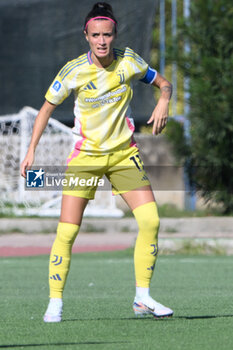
(101, 83)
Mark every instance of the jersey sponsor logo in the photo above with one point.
(90, 86)
(110, 97)
(106, 96)
(35, 178)
(56, 86)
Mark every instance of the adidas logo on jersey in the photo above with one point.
(90, 86)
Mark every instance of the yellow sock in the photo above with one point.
(60, 258)
(146, 247)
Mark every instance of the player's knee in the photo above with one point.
(149, 224)
(147, 218)
(66, 232)
(154, 222)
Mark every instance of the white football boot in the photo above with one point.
(147, 305)
(54, 311)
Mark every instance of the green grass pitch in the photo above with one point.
(98, 304)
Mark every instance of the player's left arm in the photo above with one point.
(159, 115)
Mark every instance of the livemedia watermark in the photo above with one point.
(59, 179)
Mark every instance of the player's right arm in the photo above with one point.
(38, 128)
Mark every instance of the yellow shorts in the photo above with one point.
(124, 169)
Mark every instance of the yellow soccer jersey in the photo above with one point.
(103, 120)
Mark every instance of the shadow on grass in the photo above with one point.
(149, 318)
(146, 318)
(61, 344)
(202, 317)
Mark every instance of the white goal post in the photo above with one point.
(55, 145)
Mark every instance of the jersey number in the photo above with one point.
(138, 162)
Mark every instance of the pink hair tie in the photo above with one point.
(99, 17)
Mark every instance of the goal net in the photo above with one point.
(54, 146)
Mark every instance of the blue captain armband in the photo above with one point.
(150, 76)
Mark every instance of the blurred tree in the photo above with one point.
(209, 65)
